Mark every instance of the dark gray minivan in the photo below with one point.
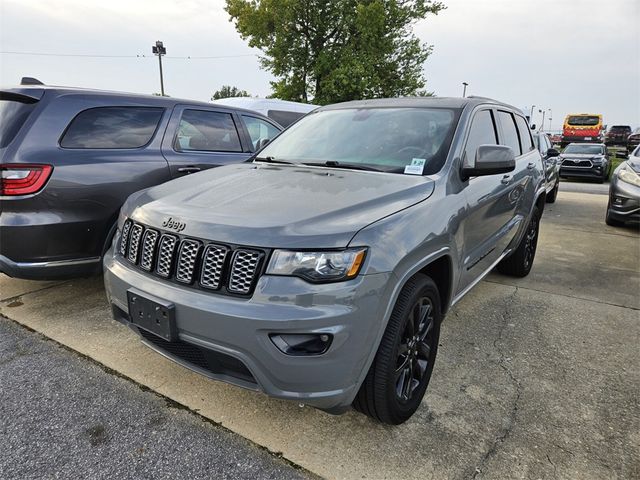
(69, 158)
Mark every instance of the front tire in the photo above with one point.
(519, 263)
(609, 220)
(399, 375)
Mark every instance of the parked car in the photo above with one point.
(585, 160)
(321, 271)
(282, 111)
(551, 165)
(624, 192)
(617, 135)
(633, 140)
(70, 157)
(556, 138)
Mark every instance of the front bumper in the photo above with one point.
(624, 201)
(597, 172)
(351, 311)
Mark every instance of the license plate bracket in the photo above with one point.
(152, 314)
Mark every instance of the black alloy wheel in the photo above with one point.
(414, 352)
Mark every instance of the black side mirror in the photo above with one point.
(491, 160)
(263, 143)
(552, 152)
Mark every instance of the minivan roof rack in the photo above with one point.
(30, 81)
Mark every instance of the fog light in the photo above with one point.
(300, 344)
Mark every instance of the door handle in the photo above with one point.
(530, 165)
(506, 180)
(190, 169)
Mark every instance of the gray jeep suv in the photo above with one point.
(320, 271)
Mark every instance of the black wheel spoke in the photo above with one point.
(424, 350)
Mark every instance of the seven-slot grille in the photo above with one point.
(190, 261)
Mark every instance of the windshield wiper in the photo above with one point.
(350, 166)
(274, 160)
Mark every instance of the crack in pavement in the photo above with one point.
(511, 421)
(601, 302)
(16, 297)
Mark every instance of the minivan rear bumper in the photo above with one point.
(210, 324)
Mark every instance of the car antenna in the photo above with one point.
(30, 81)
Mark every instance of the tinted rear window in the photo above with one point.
(112, 127)
(583, 120)
(284, 118)
(13, 114)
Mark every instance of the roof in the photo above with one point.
(36, 91)
(435, 102)
(263, 104)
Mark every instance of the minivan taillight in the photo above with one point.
(22, 179)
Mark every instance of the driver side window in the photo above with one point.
(259, 130)
(482, 132)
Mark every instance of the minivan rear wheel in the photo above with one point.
(399, 375)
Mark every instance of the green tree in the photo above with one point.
(338, 50)
(228, 91)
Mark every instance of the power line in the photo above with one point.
(189, 57)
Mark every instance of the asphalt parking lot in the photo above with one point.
(536, 377)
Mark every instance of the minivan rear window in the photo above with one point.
(112, 127)
(583, 120)
(13, 114)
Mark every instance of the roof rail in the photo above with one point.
(30, 81)
(483, 98)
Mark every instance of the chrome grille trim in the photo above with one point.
(199, 263)
(212, 266)
(134, 242)
(187, 258)
(244, 266)
(166, 251)
(149, 242)
(124, 237)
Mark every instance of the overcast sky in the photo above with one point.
(566, 55)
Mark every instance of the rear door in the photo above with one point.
(488, 205)
(199, 137)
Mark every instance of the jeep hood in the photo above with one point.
(281, 206)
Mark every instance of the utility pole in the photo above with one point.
(542, 123)
(550, 115)
(464, 89)
(159, 50)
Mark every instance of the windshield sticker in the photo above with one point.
(416, 167)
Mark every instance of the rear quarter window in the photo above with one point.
(112, 127)
(13, 114)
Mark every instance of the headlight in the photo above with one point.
(317, 267)
(627, 174)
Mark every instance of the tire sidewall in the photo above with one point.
(403, 410)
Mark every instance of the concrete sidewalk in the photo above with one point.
(536, 378)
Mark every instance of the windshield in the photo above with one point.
(584, 120)
(387, 139)
(620, 129)
(584, 149)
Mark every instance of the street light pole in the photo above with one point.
(550, 115)
(464, 89)
(159, 50)
(542, 123)
(531, 115)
